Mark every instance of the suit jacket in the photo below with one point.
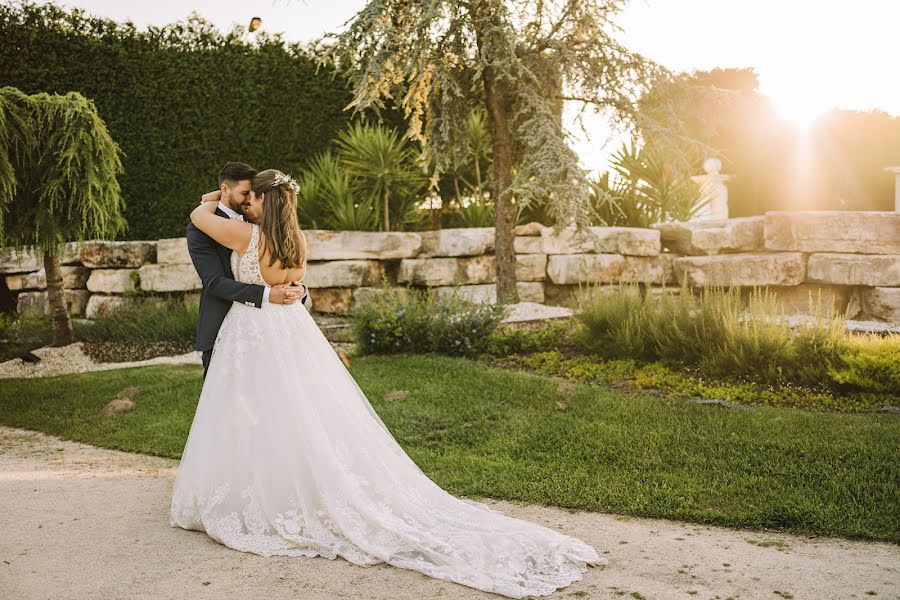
(213, 263)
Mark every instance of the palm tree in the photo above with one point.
(58, 169)
(384, 167)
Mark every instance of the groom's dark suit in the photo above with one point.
(213, 263)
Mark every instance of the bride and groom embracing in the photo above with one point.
(287, 457)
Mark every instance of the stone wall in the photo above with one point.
(851, 260)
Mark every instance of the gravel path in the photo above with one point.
(72, 359)
(83, 523)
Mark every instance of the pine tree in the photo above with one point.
(58, 182)
(520, 60)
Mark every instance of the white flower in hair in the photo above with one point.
(284, 179)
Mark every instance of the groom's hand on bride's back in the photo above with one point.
(284, 294)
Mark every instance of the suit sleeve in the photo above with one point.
(202, 249)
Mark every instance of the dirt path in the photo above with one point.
(83, 523)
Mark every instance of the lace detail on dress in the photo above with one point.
(248, 270)
(287, 457)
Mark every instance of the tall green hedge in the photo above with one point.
(180, 101)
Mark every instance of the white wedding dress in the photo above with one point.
(286, 457)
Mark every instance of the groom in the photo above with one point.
(213, 263)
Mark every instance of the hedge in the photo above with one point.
(180, 100)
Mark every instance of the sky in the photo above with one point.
(810, 55)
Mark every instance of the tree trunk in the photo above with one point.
(501, 145)
(387, 218)
(59, 316)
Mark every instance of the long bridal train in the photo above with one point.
(287, 457)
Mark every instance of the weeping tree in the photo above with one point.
(58, 183)
(520, 61)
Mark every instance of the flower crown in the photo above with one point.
(283, 179)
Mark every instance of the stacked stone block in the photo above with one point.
(847, 260)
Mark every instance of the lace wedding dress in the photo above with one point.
(287, 457)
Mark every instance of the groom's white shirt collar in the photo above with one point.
(231, 214)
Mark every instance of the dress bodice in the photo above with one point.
(245, 267)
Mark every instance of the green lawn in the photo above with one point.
(489, 432)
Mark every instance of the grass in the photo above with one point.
(484, 432)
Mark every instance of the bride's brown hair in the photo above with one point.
(279, 223)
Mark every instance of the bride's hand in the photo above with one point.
(211, 196)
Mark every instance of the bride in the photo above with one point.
(286, 457)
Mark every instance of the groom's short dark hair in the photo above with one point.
(236, 171)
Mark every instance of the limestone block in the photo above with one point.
(528, 245)
(881, 270)
(169, 278)
(20, 260)
(77, 301)
(531, 267)
(786, 268)
(528, 291)
(74, 277)
(560, 295)
(810, 298)
(331, 300)
(71, 254)
(620, 240)
(101, 306)
(486, 292)
(447, 271)
(173, 251)
(364, 294)
(36, 303)
(100, 254)
(656, 270)
(882, 303)
(479, 269)
(343, 273)
(703, 238)
(529, 229)
(352, 245)
(565, 269)
(863, 232)
(112, 281)
(464, 241)
(654, 292)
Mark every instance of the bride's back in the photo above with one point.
(275, 273)
(282, 246)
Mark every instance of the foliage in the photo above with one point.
(382, 168)
(22, 334)
(180, 100)
(520, 340)
(647, 189)
(870, 363)
(150, 319)
(65, 167)
(723, 334)
(408, 320)
(327, 199)
(432, 58)
(690, 384)
(473, 214)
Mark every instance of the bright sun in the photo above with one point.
(799, 110)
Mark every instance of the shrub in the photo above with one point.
(413, 320)
(144, 320)
(728, 336)
(549, 335)
(159, 91)
(870, 363)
